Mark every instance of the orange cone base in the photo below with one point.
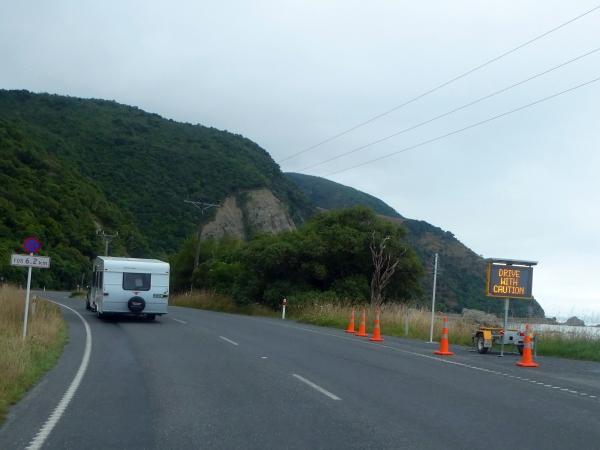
(361, 334)
(376, 339)
(350, 331)
(527, 364)
(439, 352)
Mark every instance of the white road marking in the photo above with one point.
(316, 387)
(422, 355)
(48, 426)
(229, 340)
(178, 320)
(263, 357)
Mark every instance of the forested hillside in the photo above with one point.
(461, 276)
(71, 166)
(328, 194)
(42, 196)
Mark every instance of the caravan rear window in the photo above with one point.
(136, 281)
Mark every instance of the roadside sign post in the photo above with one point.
(508, 278)
(506, 302)
(27, 301)
(31, 245)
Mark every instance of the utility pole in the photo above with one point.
(435, 267)
(107, 238)
(203, 207)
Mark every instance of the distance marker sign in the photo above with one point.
(509, 281)
(37, 262)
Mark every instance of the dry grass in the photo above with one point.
(22, 362)
(216, 302)
(400, 320)
(396, 320)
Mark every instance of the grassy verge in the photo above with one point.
(397, 320)
(216, 302)
(582, 346)
(23, 362)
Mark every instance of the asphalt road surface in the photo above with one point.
(204, 380)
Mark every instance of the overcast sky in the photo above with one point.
(291, 74)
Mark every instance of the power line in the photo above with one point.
(466, 105)
(429, 141)
(438, 87)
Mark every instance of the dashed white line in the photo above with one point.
(316, 387)
(229, 340)
(178, 320)
(42, 435)
(436, 358)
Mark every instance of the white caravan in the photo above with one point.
(129, 286)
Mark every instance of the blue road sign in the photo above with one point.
(32, 245)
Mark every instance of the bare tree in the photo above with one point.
(384, 267)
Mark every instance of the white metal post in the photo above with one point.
(506, 301)
(27, 301)
(283, 309)
(435, 266)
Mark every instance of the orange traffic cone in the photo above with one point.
(350, 328)
(376, 331)
(444, 348)
(527, 358)
(362, 328)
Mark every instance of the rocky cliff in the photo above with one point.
(247, 214)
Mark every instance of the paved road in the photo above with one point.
(198, 379)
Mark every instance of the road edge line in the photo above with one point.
(38, 441)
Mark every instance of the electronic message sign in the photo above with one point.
(509, 281)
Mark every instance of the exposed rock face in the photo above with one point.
(248, 213)
(264, 212)
(575, 322)
(229, 221)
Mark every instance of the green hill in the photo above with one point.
(461, 275)
(70, 166)
(327, 194)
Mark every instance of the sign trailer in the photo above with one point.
(509, 278)
(31, 245)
